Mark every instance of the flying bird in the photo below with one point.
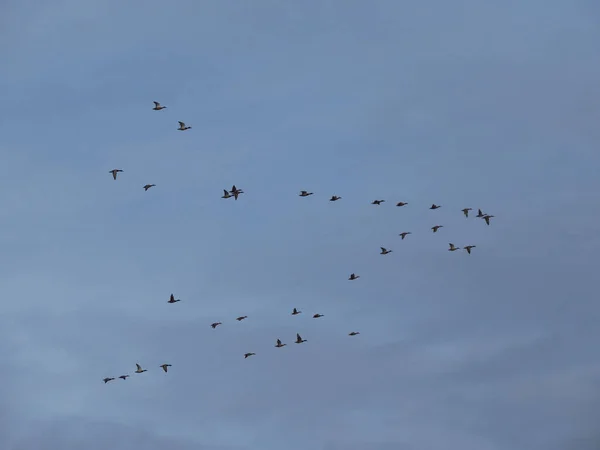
(479, 213)
(115, 172)
(239, 319)
(452, 247)
(139, 369)
(401, 204)
(148, 186)
(165, 367)
(124, 377)
(235, 192)
(487, 218)
(182, 127)
(316, 316)
(226, 194)
(384, 251)
(404, 234)
(466, 211)
(354, 333)
(296, 312)
(437, 227)
(215, 325)
(248, 354)
(158, 106)
(434, 206)
(173, 300)
(334, 198)
(305, 193)
(279, 344)
(299, 339)
(106, 380)
(354, 276)
(468, 248)
(377, 202)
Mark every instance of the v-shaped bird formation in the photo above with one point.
(235, 193)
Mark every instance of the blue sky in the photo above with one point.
(465, 104)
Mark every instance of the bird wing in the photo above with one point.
(182, 125)
(164, 366)
(156, 104)
(278, 341)
(138, 366)
(298, 337)
(172, 298)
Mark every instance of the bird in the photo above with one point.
(384, 251)
(479, 213)
(173, 300)
(316, 316)
(434, 206)
(279, 344)
(466, 211)
(239, 319)
(299, 339)
(404, 234)
(226, 194)
(165, 367)
(377, 202)
(334, 198)
(296, 312)
(215, 324)
(354, 333)
(452, 247)
(235, 192)
(468, 248)
(139, 369)
(182, 126)
(106, 380)
(437, 227)
(487, 218)
(305, 193)
(124, 377)
(401, 204)
(354, 276)
(148, 186)
(158, 106)
(115, 172)
(248, 354)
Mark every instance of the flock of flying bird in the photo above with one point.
(235, 193)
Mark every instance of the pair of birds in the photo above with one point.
(116, 171)
(159, 107)
(216, 324)
(467, 248)
(296, 311)
(234, 192)
(138, 369)
(298, 340)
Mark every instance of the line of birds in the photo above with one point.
(235, 192)
(214, 325)
(138, 369)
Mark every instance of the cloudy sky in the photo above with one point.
(470, 103)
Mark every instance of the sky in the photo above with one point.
(470, 103)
